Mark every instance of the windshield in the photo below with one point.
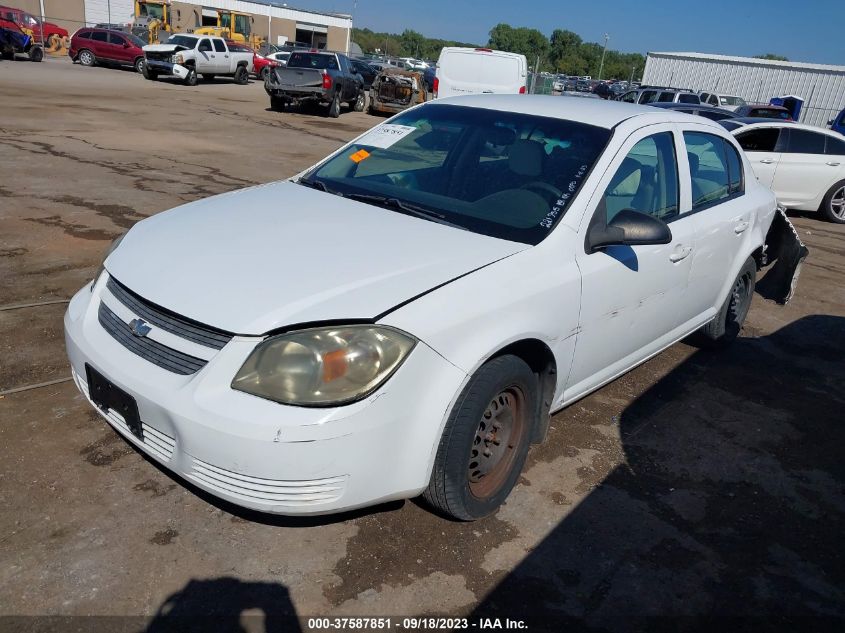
(503, 174)
(312, 60)
(731, 101)
(152, 11)
(182, 40)
(137, 41)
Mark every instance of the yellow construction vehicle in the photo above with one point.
(152, 20)
(234, 26)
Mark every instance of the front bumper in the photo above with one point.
(263, 455)
(167, 68)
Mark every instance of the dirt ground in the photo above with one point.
(701, 485)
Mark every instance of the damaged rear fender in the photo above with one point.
(784, 252)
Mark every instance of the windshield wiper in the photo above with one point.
(319, 185)
(404, 207)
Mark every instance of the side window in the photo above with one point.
(85, 36)
(629, 97)
(648, 96)
(332, 63)
(759, 140)
(835, 146)
(804, 142)
(708, 165)
(219, 46)
(735, 169)
(99, 36)
(114, 38)
(205, 46)
(647, 180)
(686, 97)
(666, 97)
(713, 100)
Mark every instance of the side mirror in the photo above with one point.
(628, 228)
(830, 122)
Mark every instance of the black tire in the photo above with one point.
(208, 76)
(241, 76)
(36, 54)
(86, 58)
(139, 65)
(334, 106)
(264, 72)
(360, 103)
(833, 204)
(148, 73)
(191, 77)
(277, 104)
(473, 474)
(725, 327)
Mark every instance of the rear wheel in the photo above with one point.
(241, 76)
(485, 441)
(264, 72)
(726, 326)
(360, 103)
(334, 106)
(86, 57)
(139, 65)
(833, 204)
(36, 54)
(277, 103)
(191, 77)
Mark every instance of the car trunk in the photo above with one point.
(298, 78)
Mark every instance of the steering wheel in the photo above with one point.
(543, 187)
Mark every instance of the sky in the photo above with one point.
(802, 30)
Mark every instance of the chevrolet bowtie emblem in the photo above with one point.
(139, 327)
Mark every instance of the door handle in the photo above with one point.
(832, 163)
(680, 253)
(740, 227)
(767, 161)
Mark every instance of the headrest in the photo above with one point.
(526, 158)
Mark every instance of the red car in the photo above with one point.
(54, 36)
(260, 64)
(92, 46)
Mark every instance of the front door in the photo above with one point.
(633, 298)
(119, 49)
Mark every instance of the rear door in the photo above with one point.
(100, 45)
(804, 172)
(762, 146)
(220, 56)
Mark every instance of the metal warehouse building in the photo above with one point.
(270, 19)
(756, 80)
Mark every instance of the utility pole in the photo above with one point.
(630, 81)
(604, 50)
(42, 23)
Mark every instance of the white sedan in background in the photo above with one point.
(403, 317)
(803, 165)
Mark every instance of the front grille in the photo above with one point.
(289, 493)
(153, 351)
(158, 56)
(173, 323)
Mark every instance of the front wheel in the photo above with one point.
(726, 326)
(148, 73)
(360, 103)
(485, 441)
(241, 76)
(191, 77)
(36, 54)
(833, 204)
(139, 65)
(334, 106)
(277, 104)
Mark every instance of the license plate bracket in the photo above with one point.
(107, 396)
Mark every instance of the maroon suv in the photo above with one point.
(104, 46)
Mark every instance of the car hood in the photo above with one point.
(255, 260)
(164, 48)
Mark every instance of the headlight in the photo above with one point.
(177, 59)
(102, 267)
(323, 366)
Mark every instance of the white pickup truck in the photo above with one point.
(186, 56)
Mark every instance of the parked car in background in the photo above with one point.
(394, 367)
(279, 56)
(763, 110)
(91, 46)
(187, 56)
(395, 90)
(14, 42)
(738, 122)
(649, 94)
(708, 112)
(429, 74)
(462, 71)
(316, 78)
(727, 102)
(803, 165)
(367, 72)
(837, 124)
(53, 36)
(261, 65)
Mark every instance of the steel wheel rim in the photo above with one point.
(740, 295)
(496, 443)
(837, 204)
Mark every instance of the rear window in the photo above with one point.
(312, 60)
(835, 146)
(85, 35)
(99, 36)
(685, 97)
(235, 47)
(804, 142)
(769, 113)
(731, 101)
(666, 97)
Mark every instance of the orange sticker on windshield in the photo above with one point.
(360, 155)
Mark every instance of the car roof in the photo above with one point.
(677, 105)
(606, 114)
(792, 126)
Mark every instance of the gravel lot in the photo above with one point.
(701, 484)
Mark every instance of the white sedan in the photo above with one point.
(403, 318)
(803, 165)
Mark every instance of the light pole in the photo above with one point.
(604, 50)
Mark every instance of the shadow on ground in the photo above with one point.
(227, 605)
(728, 513)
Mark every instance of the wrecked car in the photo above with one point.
(14, 42)
(395, 90)
(402, 318)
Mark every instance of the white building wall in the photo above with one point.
(821, 86)
(114, 11)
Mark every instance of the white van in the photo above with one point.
(463, 71)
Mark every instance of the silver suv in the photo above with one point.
(651, 94)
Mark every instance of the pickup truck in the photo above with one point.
(186, 56)
(316, 77)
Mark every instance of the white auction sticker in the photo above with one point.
(385, 135)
